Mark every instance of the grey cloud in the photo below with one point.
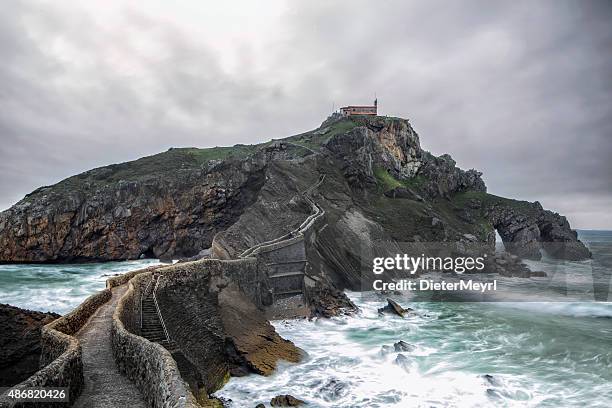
(518, 90)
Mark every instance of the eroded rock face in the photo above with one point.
(525, 228)
(20, 345)
(378, 143)
(326, 301)
(380, 186)
(441, 177)
(162, 212)
(257, 345)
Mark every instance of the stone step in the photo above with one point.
(288, 292)
(152, 330)
(146, 333)
(154, 337)
(287, 262)
(286, 274)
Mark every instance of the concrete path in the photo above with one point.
(104, 386)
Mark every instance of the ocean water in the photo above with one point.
(466, 354)
(58, 288)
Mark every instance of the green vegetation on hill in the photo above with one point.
(182, 158)
(314, 139)
(387, 182)
(203, 156)
(487, 200)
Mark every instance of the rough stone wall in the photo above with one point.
(171, 208)
(61, 358)
(149, 365)
(247, 274)
(126, 277)
(190, 310)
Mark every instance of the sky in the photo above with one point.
(519, 90)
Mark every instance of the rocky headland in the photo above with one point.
(285, 225)
(380, 185)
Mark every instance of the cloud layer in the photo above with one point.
(519, 90)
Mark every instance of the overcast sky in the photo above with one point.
(521, 91)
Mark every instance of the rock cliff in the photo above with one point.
(380, 186)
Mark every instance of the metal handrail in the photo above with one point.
(142, 295)
(318, 212)
(161, 319)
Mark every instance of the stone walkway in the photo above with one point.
(104, 386)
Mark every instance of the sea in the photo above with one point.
(550, 348)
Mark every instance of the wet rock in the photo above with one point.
(491, 380)
(257, 345)
(286, 400)
(393, 307)
(402, 361)
(538, 274)
(326, 301)
(403, 346)
(334, 389)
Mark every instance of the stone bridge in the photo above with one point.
(140, 341)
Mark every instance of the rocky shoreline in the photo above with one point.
(20, 342)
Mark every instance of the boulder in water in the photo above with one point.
(403, 346)
(393, 307)
(286, 400)
(491, 380)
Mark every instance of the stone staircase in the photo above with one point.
(152, 327)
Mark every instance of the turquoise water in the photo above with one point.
(58, 288)
(523, 354)
(549, 354)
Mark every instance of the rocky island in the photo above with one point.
(283, 224)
